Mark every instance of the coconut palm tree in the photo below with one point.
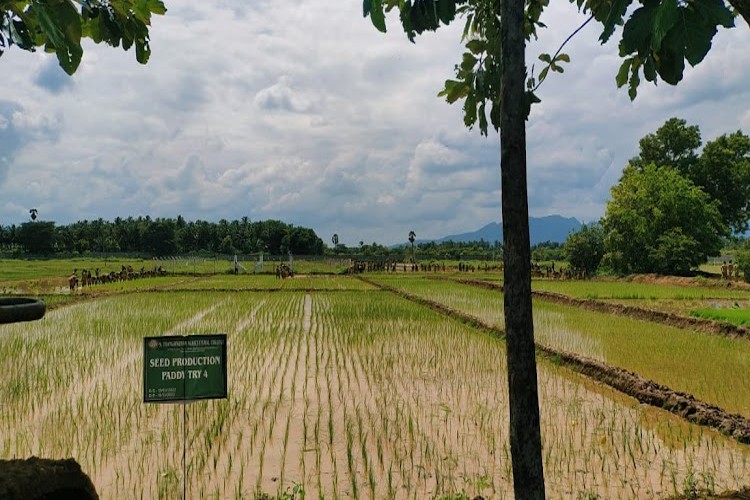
(33, 213)
(335, 241)
(412, 237)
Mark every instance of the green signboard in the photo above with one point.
(184, 368)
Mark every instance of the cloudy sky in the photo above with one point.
(302, 111)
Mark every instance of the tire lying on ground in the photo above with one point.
(14, 309)
(44, 479)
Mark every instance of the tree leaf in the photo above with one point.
(671, 63)
(423, 16)
(476, 46)
(665, 18)
(468, 25)
(482, 118)
(142, 47)
(454, 90)
(142, 10)
(545, 58)
(20, 34)
(698, 33)
(377, 15)
(622, 75)
(636, 34)
(446, 10)
(470, 110)
(61, 24)
(635, 80)
(543, 73)
(715, 12)
(563, 58)
(649, 70)
(405, 16)
(529, 99)
(157, 7)
(468, 62)
(495, 115)
(614, 18)
(479, 81)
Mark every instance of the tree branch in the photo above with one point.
(559, 49)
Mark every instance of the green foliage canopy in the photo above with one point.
(37, 237)
(742, 257)
(674, 144)
(660, 222)
(585, 248)
(59, 25)
(724, 173)
(166, 236)
(546, 251)
(722, 169)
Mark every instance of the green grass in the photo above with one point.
(49, 277)
(624, 290)
(481, 303)
(685, 360)
(730, 315)
(269, 282)
(29, 269)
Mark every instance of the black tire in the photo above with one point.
(44, 479)
(15, 309)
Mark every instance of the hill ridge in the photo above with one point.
(554, 228)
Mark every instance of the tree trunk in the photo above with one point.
(525, 436)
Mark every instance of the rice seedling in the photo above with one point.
(665, 354)
(734, 315)
(334, 394)
(626, 291)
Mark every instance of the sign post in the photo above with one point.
(179, 369)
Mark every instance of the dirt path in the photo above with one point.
(644, 390)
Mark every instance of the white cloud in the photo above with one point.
(304, 112)
(281, 97)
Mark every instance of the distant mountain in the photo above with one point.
(549, 228)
